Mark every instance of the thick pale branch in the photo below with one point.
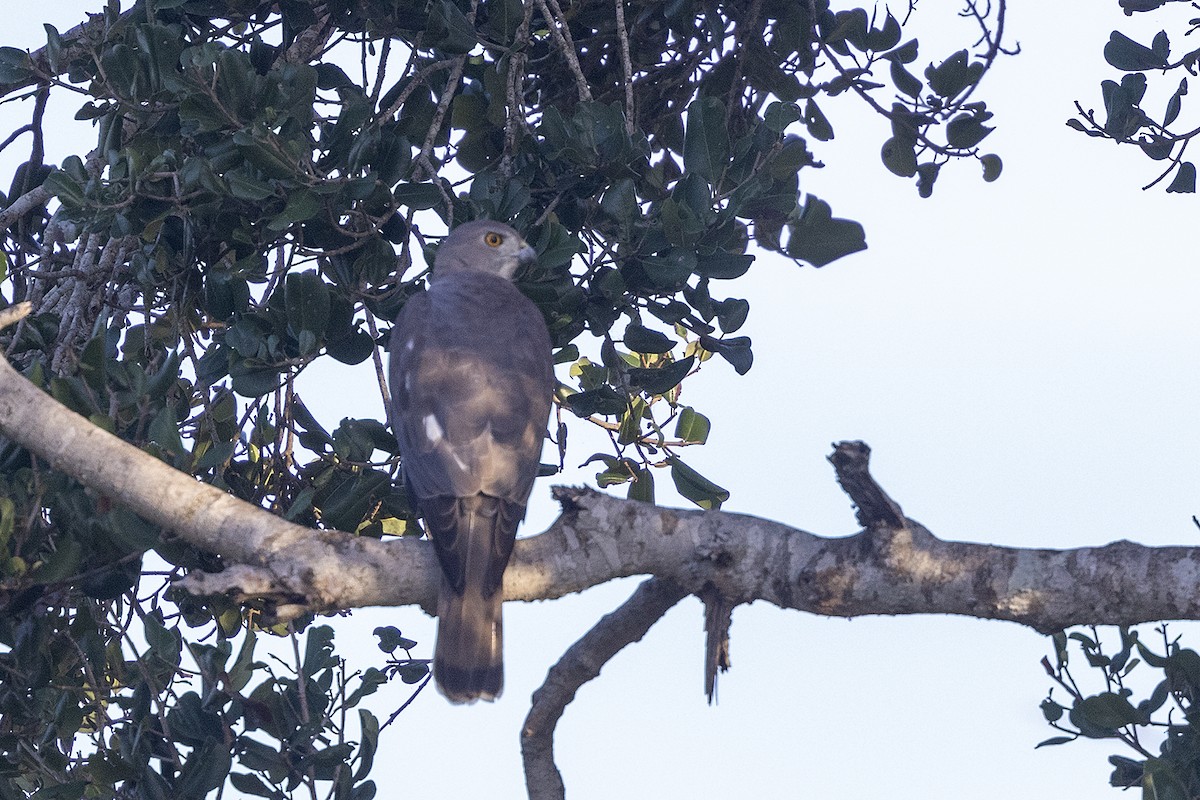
(881, 570)
(34, 198)
(295, 565)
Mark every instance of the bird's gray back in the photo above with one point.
(472, 379)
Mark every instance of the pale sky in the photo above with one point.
(1021, 356)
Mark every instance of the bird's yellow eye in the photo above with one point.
(493, 239)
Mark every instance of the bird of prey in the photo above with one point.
(471, 378)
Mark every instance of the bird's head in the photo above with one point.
(483, 246)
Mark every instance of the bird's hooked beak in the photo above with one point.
(527, 256)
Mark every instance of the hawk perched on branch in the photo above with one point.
(471, 377)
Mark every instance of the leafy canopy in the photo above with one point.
(267, 181)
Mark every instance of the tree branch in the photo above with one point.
(883, 569)
(581, 663)
(293, 566)
(875, 509)
(75, 45)
(34, 198)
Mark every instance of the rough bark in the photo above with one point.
(883, 569)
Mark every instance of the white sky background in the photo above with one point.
(1021, 356)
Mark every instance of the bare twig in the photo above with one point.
(875, 509)
(626, 69)
(562, 37)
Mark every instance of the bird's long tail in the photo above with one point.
(468, 661)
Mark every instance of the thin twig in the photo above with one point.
(561, 32)
(626, 68)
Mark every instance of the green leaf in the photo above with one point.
(302, 205)
(620, 201)
(448, 29)
(65, 188)
(905, 81)
(1160, 781)
(331, 76)
(992, 165)
(503, 19)
(352, 348)
(926, 176)
(641, 487)
(816, 122)
(848, 26)
(1053, 740)
(1184, 181)
(7, 518)
(671, 270)
(1156, 699)
(1125, 54)
(254, 382)
(695, 487)
(164, 431)
(640, 339)
(885, 38)
(308, 305)
(905, 53)
(731, 314)
(245, 187)
(165, 643)
(779, 115)
(1108, 710)
(54, 47)
(244, 665)
(14, 65)
(71, 790)
(630, 428)
(706, 139)
(616, 470)
(251, 785)
(417, 196)
(1174, 104)
(663, 379)
(391, 640)
(734, 349)
(692, 426)
(376, 260)
(1123, 119)
(205, 769)
(368, 744)
(819, 238)
(1128, 772)
(413, 672)
(1051, 710)
(722, 265)
(64, 562)
(605, 401)
(567, 354)
(954, 75)
(1161, 45)
(899, 155)
(318, 650)
(966, 131)
(1134, 85)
